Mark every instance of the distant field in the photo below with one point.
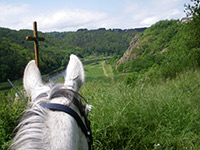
(94, 70)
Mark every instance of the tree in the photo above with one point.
(193, 10)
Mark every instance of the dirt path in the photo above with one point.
(104, 70)
(105, 73)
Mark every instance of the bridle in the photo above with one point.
(72, 95)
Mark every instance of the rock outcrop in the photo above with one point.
(129, 54)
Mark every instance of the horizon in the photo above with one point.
(112, 29)
(71, 15)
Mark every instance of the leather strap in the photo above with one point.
(71, 112)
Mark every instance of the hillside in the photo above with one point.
(164, 50)
(153, 41)
(15, 51)
(100, 41)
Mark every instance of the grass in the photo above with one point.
(94, 58)
(10, 113)
(156, 116)
(94, 71)
(108, 69)
(160, 116)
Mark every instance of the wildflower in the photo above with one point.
(156, 145)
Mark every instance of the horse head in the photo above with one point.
(57, 117)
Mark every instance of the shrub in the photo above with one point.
(131, 78)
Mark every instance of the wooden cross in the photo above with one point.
(36, 39)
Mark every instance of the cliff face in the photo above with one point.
(130, 54)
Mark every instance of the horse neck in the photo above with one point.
(62, 130)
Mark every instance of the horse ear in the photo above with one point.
(32, 78)
(75, 76)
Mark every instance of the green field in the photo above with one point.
(161, 115)
(94, 71)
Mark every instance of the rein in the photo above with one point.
(59, 107)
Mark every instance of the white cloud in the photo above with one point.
(68, 19)
(174, 14)
(9, 10)
(146, 13)
(149, 21)
(21, 17)
(140, 13)
(10, 15)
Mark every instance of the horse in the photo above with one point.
(57, 116)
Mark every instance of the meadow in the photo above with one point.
(161, 115)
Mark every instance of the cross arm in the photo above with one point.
(28, 38)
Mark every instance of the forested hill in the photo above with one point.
(164, 50)
(15, 51)
(100, 41)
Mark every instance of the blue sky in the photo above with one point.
(70, 15)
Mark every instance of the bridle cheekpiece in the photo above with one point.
(75, 99)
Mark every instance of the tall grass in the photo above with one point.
(11, 108)
(160, 116)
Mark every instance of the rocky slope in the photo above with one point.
(130, 53)
(153, 41)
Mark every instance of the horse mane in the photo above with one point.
(31, 127)
(30, 134)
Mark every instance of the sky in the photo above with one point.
(71, 15)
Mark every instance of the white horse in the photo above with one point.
(56, 119)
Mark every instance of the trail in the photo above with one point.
(105, 73)
(104, 70)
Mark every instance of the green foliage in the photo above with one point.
(193, 10)
(137, 65)
(11, 109)
(158, 36)
(12, 64)
(167, 49)
(182, 53)
(131, 78)
(99, 42)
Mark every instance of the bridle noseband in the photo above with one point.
(70, 94)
